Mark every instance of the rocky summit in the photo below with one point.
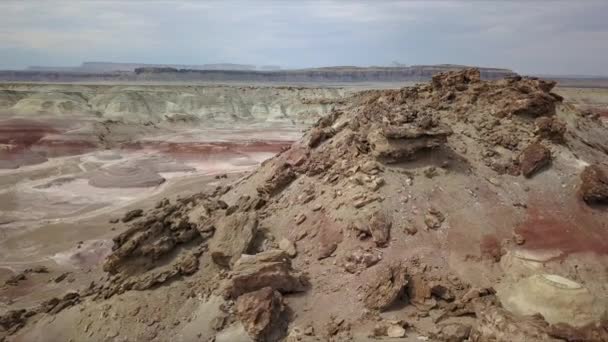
(458, 210)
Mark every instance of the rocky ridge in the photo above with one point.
(388, 210)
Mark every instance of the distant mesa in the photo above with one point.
(103, 67)
(223, 72)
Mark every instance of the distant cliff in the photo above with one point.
(104, 67)
(329, 74)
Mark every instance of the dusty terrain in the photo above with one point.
(460, 210)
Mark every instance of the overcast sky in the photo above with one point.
(557, 37)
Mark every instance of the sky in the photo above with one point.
(533, 37)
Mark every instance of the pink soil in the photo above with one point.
(571, 228)
(22, 133)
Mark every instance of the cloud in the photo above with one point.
(529, 36)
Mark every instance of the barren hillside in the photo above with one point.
(460, 210)
(141, 104)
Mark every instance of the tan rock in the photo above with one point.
(379, 228)
(267, 269)
(395, 331)
(288, 246)
(233, 237)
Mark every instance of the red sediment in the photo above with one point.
(568, 229)
(20, 133)
(211, 149)
(59, 148)
(489, 247)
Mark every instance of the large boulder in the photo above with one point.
(267, 269)
(233, 237)
(533, 158)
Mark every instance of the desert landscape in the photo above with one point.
(461, 208)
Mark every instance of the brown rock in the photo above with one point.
(13, 320)
(187, 263)
(317, 135)
(394, 144)
(496, 324)
(451, 79)
(380, 227)
(454, 332)
(260, 313)
(337, 330)
(281, 177)
(549, 127)
(385, 287)
(518, 239)
(442, 292)
(330, 235)
(15, 279)
(233, 237)
(133, 214)
(594, 184)
(418, 290)
(434, 219)
(359, 259)
(533, 158)
(300, 218)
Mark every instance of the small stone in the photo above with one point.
(431, 221)
(519, 239)
(288, 246)
(380, 330)
(430, 172)
(395, 331)
(411, 230)
(309, 331)
(133, 214)
(301, 234)
(300, 218)
(434, 219)
(61, 277)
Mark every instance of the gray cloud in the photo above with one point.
(529, 36)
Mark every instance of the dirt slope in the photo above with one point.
(451, 211)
